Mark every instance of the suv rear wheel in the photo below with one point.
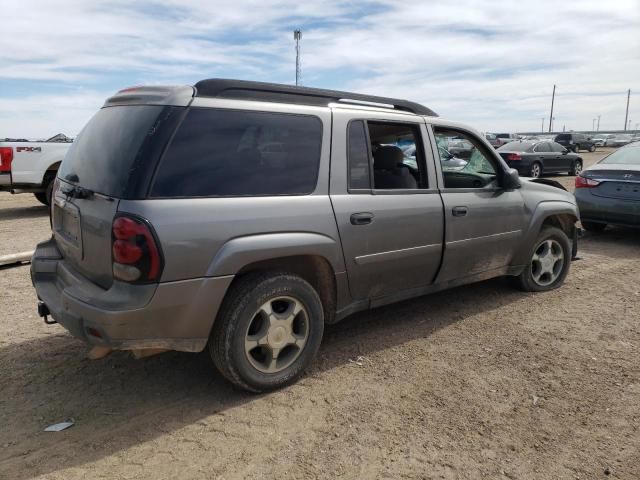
(592, 148)
(268, 330)
(550, 261)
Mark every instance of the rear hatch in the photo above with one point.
(113, 158)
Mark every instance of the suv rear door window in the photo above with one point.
(359, 172)
(241, 153)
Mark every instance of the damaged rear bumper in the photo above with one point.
(171, 315)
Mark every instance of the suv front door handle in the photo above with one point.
(361, 218)
(459, 211)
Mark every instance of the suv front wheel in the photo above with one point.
(267, 332)
(549, 262)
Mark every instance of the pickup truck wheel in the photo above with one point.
(41, 197)
(45, 197)
(550, 261)
(267, 332)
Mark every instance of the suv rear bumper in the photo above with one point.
(171, 315)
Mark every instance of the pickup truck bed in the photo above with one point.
(30, 167)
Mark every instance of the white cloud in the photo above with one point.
(490, 64)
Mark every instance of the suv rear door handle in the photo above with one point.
(361, 218)
(459, 211)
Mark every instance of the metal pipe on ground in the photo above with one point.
(16, 258)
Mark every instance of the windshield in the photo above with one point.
(103, 156)
(624, 156)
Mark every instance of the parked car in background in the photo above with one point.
(619, 140)
(609, 191)
(492, 139)
(575, 141)
(533, 159)
(30, 167)
(599, 140)
(460, 148)
(177, 224)
(448, 161)
(504, 138)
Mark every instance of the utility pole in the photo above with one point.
(542, 126)
(593, 125)
(626, 115)
(297, 36)
(598, 123)
(553, 97)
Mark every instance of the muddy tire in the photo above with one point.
(267, 332)
(549, 262)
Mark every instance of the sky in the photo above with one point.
(489, 64)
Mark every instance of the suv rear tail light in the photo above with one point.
(6, 157)
(135, 253)
(582, 182)
(514, 156)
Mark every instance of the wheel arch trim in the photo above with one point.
(242, 251)
(544, 211)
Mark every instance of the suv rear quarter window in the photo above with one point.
(219, 152)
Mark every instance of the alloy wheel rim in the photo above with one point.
(277, 334)
(535, 171)
(547, 262)
(578, 167)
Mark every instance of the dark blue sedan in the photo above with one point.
(533, 159)
(608, 193)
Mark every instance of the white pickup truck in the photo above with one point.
(30, 167)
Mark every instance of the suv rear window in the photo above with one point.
(241, 153)
(563, 136)
(103, 157)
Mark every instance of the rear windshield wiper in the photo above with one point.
(77, 192)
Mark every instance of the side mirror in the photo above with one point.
(565, 151)
(511, 180)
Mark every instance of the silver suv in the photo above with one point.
(243, 217)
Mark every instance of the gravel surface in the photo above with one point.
(483, 381)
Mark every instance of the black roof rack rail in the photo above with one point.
(275, 92)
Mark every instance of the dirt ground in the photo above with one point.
(483, 381)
